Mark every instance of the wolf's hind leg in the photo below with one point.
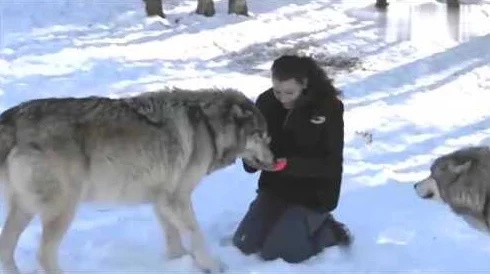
(55, 224)
(15, 223)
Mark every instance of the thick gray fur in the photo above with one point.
(151, 148)
(461, 179)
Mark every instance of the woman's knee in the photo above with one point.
(246, 246)
(289, 255)
(290, 238)
(256, 224)
(248, 237)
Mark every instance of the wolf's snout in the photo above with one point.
(428, 195)
(267, 159)
(260, 157)
(426, 189)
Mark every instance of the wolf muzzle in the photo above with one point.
(427, 188)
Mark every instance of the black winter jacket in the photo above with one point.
(311, 137)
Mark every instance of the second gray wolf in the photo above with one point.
(151, 148)
(461, 179)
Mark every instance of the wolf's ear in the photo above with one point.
(240, 114)
(243, 117)
(460, 168)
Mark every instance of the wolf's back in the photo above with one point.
(7, 135)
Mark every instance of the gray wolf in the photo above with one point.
(461, 180)
(152, 148)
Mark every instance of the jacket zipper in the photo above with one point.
(287, 118)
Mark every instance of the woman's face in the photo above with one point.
(287, 91)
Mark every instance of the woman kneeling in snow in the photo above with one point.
(290, 217)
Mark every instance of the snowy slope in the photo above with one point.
(409, 97)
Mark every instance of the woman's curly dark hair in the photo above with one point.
(304, 67)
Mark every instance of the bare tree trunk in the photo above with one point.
(205, 7)
(381, 4)
(238, 7)
(452, 3)
(154, 8)
(453, 17)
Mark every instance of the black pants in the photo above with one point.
(275, 229)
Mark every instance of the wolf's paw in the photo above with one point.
(175, 253)
(226, 240)
(50, 271)
(10, 270)
(212, 266)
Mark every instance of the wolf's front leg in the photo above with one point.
(179, 212)
(175, 249)
(198, 245)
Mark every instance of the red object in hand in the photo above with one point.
(280, 164)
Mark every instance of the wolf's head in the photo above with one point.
(461, 180)
(240, 130)
(254, 135)
(444, 174)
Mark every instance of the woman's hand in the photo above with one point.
(279, 165)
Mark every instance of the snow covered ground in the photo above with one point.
(414, 89)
